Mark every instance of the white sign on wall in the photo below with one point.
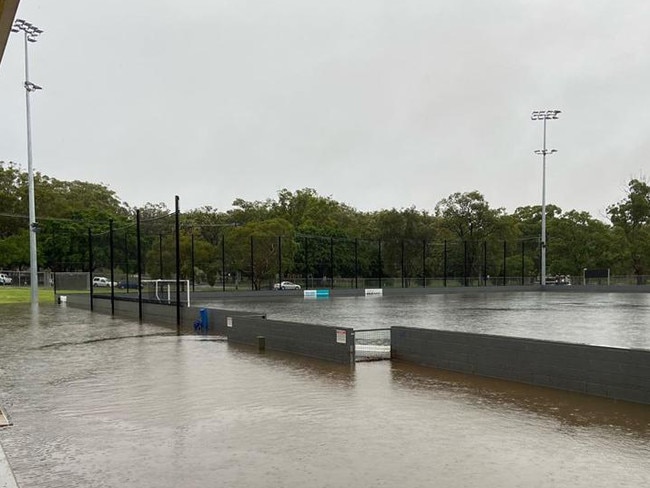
(341, 336)
(374, 292)
(229, 321)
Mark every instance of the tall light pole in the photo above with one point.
(544, 115)
(31, 33)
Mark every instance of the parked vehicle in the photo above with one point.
(101, 281)
(4, 279)
(558, 280)
(128, 285)
(286, 285)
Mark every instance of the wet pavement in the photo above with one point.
(102, 402)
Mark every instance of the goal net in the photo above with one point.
(164, 291)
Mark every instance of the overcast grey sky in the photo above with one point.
(376, 103)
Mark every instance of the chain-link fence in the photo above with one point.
(371, 344)
(158, 244)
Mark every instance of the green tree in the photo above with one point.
(208, 224)
(308, 211)
(577, 241)
(64, 212)
(528, 221)
(404, 234)
(266, 249)
(631, 220)
(469, 218)
(323, 228)
(13, 204)
(13, 250)
(245, 212)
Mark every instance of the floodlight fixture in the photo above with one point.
(545, 114)
(545, 151)
(29, 86)
(31, 31)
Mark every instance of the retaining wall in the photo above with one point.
(317, 341)
(622, 374)
(157, 313)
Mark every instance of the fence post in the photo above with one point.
(485, 266)
(356, 263)
(90, 265)
(444, 272)
(523, 243)
(279, 259)
(331, 262)
(505, 244)
(126, 258)
(139, 263)
(380, 264)
(192, 261)
(178, 265)
(223, 260)
(424, 263)
(306, 246)
(160, 257)
(465, 263)
(252, 266)
(112, 257)
(402, 265)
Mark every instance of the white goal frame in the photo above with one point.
(161, 290)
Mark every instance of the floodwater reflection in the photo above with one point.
(569, 408)
(149, 409)
(605, 319)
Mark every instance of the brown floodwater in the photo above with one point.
(102, 402)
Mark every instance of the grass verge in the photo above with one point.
(22, 294)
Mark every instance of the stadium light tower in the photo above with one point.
(544, 115)
(31, 33)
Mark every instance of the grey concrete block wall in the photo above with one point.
(622, 374)
(317, 341)
(156, 313)
(77, 300)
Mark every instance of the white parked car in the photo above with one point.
(286, 285)
(4, 279)
(558, 280)
(100, 281)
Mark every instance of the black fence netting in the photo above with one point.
(157, 244)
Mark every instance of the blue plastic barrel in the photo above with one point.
(204, 319)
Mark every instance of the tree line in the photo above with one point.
(301, 233)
